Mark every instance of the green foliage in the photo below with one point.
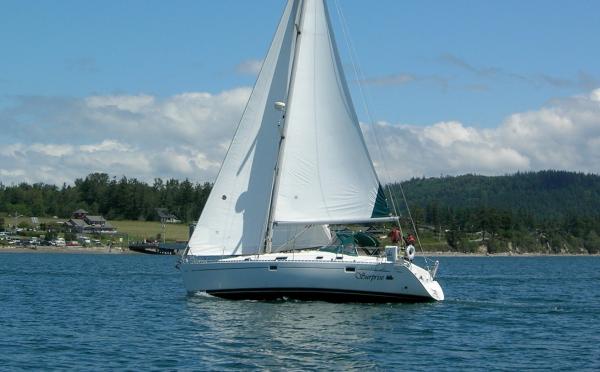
(470, 246)
(539, 196)
(525, 241)
(592, 242)
(125, 198)
(547, 211)
(496, 246)
(24, 225)
(69, 236)
(51, 235)
(30, 234)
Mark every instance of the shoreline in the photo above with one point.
(74, 249)
(503, 254)
(118, 250)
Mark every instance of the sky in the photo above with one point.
(155, 89)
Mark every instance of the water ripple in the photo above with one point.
(130, 312)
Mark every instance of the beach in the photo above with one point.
(72, 249)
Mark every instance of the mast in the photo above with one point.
(272, 199)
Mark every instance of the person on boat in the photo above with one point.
(395, 235)
(410, 240)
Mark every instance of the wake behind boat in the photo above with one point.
(297, 164)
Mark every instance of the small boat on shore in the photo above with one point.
(157, 247)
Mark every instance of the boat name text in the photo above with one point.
(365, 276)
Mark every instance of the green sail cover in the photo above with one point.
(359, 239)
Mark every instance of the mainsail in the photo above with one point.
(325, 173)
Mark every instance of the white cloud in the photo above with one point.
(447, 133)
(404, 78)
(564, 135)
(582, 80)
(249, 67)
(12, 173)
(51, 149)
(56, 140)
(11, 150)
(107, 145)
(397, 79)
(124, 103)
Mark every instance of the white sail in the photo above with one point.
(326, 173)
(298, 236)
(234, 217)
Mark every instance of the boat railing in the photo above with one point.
(203, 259)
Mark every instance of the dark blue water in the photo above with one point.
(66, 311)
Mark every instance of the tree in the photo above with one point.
(51, 235)
(592, 242)
(23, 225)
(69, 236)
(455, 239)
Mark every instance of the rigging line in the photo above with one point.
(359, 77)
(412, 221)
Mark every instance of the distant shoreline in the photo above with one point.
(118, 250)
(75, 249)
(503, 254)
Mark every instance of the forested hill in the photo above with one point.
(98, 193)
(541, 196)
(544, 195)
(543, 212)
(547, 211)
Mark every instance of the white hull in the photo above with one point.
(312, 275)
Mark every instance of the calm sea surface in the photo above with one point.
(68, 311)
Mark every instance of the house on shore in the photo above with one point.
(81, 222)
(166, 216)
(80, 214)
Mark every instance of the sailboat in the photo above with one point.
(297, 166)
